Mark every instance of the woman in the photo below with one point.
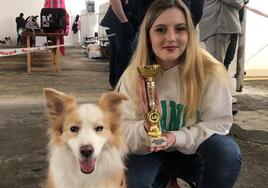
(195, 101)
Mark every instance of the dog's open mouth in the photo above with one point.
(87, 165)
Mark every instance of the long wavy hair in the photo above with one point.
(195, 67)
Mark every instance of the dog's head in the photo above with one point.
(85, 129)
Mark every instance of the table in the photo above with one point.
(56, 54)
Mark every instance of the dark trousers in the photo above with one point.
(122, 50)
(124, 55)
(19, 40)
(231, 49)
(216, 164)
(230, 52)
(114, 45)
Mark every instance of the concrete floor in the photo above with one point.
(23, 121)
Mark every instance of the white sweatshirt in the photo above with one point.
(215, 114)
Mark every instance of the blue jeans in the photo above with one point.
(19, 40)
(216, 164)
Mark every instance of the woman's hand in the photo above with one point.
(146, 125)
(171, 140)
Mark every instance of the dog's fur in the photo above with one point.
(86, 148)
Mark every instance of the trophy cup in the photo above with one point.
(153, 116)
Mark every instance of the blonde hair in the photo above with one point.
(196, 64)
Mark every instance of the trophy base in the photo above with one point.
(156, 141)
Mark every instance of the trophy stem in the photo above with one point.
(153, 116)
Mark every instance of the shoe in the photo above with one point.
(234, 100)
(235, 112)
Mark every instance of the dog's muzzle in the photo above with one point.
(87, 162)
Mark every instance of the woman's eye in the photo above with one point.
(99, 128)
(74, 129)
(180, 28)
(160, 30)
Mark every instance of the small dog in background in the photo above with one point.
(6, 40)
(86, 148)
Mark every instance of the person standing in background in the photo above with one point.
(20, 23)
(219, 28)
(231, 50)
(111, 23)
(219, 22)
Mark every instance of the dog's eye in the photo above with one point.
(99, 128)
(74, 129)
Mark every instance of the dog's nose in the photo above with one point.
(86, 151)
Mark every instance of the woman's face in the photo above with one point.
(169, 37)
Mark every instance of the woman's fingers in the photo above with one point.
(170, 138)
(156, 149)
(144, 94)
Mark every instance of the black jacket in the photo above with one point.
(20, 22)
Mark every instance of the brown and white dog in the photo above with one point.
(86, 148)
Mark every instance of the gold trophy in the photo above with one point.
(153, 116)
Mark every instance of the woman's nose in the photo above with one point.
(170, 35)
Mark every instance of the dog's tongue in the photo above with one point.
(87, 166)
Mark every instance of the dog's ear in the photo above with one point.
(58, 103)
(110, 101)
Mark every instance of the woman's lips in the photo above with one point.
(170, 48)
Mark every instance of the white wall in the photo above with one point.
(90, 21)
(89, 24)
(256, 63)
(10, 9)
